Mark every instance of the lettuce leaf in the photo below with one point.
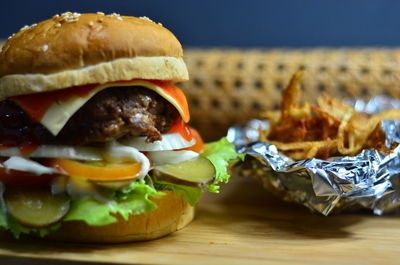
(18, 229)
(220, 153)
(191, 194)
(132, 200)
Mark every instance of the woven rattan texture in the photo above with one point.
(229, 86)
(232, 86)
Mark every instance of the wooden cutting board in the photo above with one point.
(242, 225)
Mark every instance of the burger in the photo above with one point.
(94, 141)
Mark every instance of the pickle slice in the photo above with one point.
(36, 208)
(114, 185)
(197, 171)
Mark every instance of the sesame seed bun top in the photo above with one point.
(76, 49)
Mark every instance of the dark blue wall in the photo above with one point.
(295, 23)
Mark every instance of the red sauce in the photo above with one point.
(176, 93)
(27, 149)
(181, 128)
(36, 105)
(198, 147)
(25, 146)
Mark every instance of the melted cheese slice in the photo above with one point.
(60, 111)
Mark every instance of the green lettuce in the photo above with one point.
(18, 229)
(190, 194)
(132, 200)
(220, 153)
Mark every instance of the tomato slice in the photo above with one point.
(97, 171)
(199, 146)
(24, 179)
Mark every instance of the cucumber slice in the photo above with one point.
(195, 171)
(36, 208)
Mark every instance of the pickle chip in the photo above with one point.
(37, 207)
(198, 170)
(114, 185)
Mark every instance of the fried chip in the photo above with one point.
(331, 128)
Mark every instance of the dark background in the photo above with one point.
(288, 23)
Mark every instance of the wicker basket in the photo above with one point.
(232, 86)
(229, 86)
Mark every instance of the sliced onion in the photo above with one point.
(116, 152)
(58, 151)
(171, 157)
(24, 164)
(169, 141)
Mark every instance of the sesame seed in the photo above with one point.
(146, 18)
(70, 17)
(159, 24)
(118, 16)
(100, 13)
(66, 14)
(58, 25)
(91, 23)
(24, 27)
(45, 47)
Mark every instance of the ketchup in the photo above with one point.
(27, 149)
(37, 104)
(180, 127)
(174, 92)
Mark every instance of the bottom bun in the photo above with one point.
(173, 213)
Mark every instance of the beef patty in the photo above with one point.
(111, 114)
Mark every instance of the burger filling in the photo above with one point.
(87, 156)
(111, 114)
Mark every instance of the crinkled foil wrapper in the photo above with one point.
(369, 180)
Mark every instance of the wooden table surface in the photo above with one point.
(242, 225)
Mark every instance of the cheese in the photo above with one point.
(60, 111)
(58, 114)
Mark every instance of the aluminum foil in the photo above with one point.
(369, 180)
